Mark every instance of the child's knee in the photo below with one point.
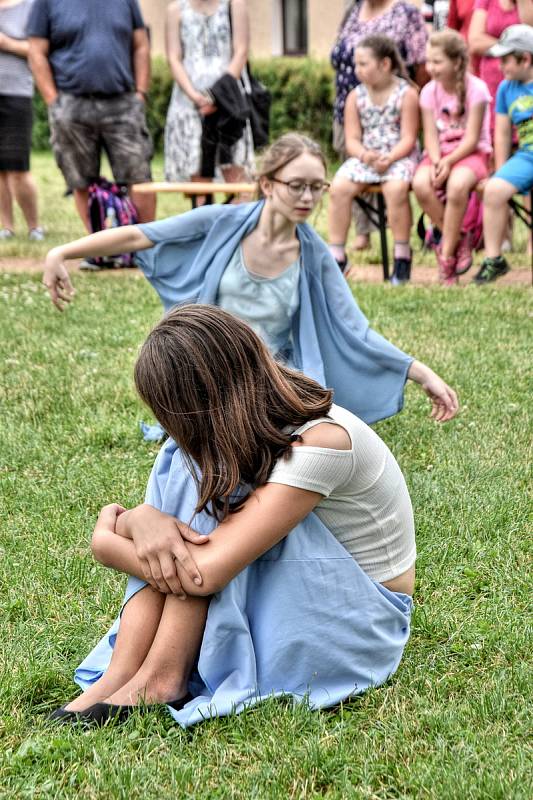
(341, 189)
(497, 192)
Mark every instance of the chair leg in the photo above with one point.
(382, 213)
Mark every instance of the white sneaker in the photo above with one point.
(5, 233)
(36, 235)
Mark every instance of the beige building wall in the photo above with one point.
(266, 29)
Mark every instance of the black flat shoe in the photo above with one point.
(100, 713)
(177, 705)
(63, 716)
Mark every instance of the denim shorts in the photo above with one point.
(81, 127)
(518, 171)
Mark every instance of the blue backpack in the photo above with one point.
(109, 207)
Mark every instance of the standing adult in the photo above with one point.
(404, 24)
(489, 20)
(204, 39)
(16, 91)
(91, 62)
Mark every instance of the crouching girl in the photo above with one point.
(285, 567)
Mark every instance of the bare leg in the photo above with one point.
(396, 194)
(495, 198)
(6, 203)
(458, 187)
(426, 196)
(24, 191)
(81, 199)
(145, 205)
(138, 627)
(164, 673)
(342, 194)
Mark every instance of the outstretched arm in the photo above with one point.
(126, 239)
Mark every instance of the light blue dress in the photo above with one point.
(303, 620)
(268, 305)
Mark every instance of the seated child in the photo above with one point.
(381, 126)
(455, 116)
(514, 106)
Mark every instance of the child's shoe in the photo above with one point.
(36, 234)
(447, 268)
(6, 233)
(463, 255)
(491, 268)
(401, 272)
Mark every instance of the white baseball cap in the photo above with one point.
(514, 39)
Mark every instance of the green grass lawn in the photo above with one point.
(453, 721)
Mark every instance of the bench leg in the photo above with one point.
(382, 215)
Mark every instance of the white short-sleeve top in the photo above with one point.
(366, 504)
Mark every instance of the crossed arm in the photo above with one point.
(173, 558)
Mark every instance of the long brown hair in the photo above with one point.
(217, 391)
(454, 47)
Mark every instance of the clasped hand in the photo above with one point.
(159, 541)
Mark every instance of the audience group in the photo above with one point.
(455, 76)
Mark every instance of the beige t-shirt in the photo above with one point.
(366, 504)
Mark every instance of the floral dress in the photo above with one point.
(403, 23)
(207, 49)
(381, 126)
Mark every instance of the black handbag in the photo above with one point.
(259, 101)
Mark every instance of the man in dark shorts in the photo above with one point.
(91, 63)
(16, 91)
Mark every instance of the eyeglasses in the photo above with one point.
(297, 188)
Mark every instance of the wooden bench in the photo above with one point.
(194, 189)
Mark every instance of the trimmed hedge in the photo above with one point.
(302, 99)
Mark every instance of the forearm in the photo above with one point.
(236, 65)
(181, 77)
(17, 47)
(42, 73)
(431, 143)
(466, 148)
(502, 151)
(115, 552)
(480, 42)
(355, 148)
(402, 149)
(525, 11)
(141, 68)
(419, 372)
(124, 239)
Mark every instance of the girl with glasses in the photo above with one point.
(261, 262)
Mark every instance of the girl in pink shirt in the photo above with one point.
(455, 116)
